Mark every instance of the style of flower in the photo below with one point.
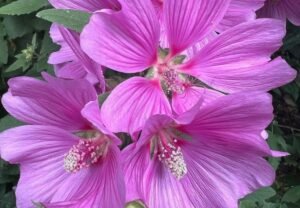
(67, 156)
(210, 156)
(128, 41)
(281, 9)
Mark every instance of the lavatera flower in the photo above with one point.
(67, 157)
(210, 156)
(238, 59)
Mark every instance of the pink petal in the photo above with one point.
(95, 70)
(87, 5)
(185, 101)
(70, 70)
(126, 41)
(239, 58)
(65, 54)
(40, 150)
(132, 102)
(237, 118)
(55, 102)
(91, 112)
(283, 9)
(239, 11)
(188, 21)
(220, 175)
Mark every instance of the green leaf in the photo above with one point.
(3, 51)
(23, 7)
(292, 195)
(17, 26)
(71, 19)
(261, 194)
(8, 122)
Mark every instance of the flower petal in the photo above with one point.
(239, 11)
(87, 5)
(127, 41)
(95, 70)
(188, 21)
(91, 112)
(185, 101)
(239, 58)
(55, 102)
(70, 70)
(132, 102)
(40, 150)
(284, 9)
(221, 176)
(237, 118)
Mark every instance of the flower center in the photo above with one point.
(85, 153)
(168, 151)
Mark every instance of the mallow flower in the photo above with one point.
(67, 156)
(281, 9)
(128, 41)
(71, 62)
(210, 156)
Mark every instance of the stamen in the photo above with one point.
(174, 160)
(169, 153)
(84, 154)
(172, 81)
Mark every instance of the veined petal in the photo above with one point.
(239, 59)
(70, 70)
(192, 94)
(132, 102)
(237, 118)
(40, 151)
(87, 5)
(239, 11)
(91, 112)
(126, 41)
(188, 21)
(55, 102)
(220, 176)
(95, 70)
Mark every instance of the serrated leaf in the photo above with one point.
(292, 195)
(23, 7)
(71, 19)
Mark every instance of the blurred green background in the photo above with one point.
(24, 49)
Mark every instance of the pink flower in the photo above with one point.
(66, 155)
(71, 62)
(210, 156)
(282, 9)
(237, 60)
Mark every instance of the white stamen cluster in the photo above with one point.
(82, 155)
(174, 160)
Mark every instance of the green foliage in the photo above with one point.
(25, 46)
(23, 7)
(71, 19)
